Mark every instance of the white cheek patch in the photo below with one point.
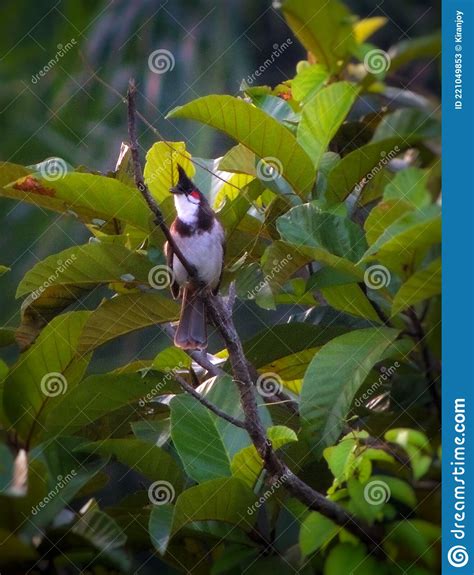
(187, 210)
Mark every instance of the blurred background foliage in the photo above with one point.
(68, 113)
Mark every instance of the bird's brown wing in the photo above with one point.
(169, 262)
(215, 291)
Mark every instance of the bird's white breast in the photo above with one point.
(205, 252)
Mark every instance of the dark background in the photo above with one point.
(69, 114)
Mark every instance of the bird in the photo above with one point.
(199, 235)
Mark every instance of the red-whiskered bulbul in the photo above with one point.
(200, 237)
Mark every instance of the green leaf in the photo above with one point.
(417, 538)
(159, 526)
(316, 532)
(322, 116)
(422, 285)
(308, 81)
(124, 314)
(324, 29)
(396, 488)
(417, 446)
(247, 463)
(411, 232)
(222, 392)
(360, 166)
(46, 371)
(412, 49)
(286, 340)
(383, 215)
(239, 160)
(197, 440)
(85, 266)
(99, 395)
(351, 299)
(38, 309)
(281, 260)
(409, 185)
(161, 167)
(347, 558)
(408, 124)
(305, 225)
(89, 196)
(225, 499)
(103, 533)
(333, 378)
(257, 131)
(151, 461)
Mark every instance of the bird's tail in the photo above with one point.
(192, 328)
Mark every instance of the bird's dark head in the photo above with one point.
(186, 187)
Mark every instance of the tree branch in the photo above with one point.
(419, 336)
(143, 188)
(190, 389)
(221, 314)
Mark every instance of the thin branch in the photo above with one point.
(190, 389)
(420, 338)
(143, 188)
(273, 464)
